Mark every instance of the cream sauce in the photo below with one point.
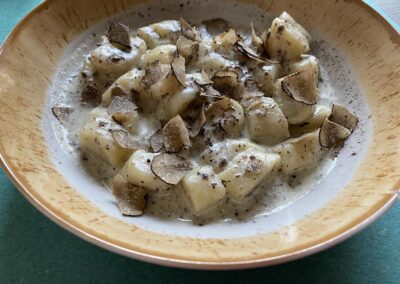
(67, 86)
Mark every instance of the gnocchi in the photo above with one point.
(247, 170)
(96, 139)
(266, 122)
(137, 170)
(159, 34)
(299, 154)
(204, 189)
(109, 60)
(286, 39)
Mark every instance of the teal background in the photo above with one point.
(35, 250)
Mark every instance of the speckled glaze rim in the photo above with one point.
(200, 265)
(376, 211)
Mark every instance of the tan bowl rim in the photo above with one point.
(355, 227)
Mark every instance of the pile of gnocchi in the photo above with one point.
(205, 110)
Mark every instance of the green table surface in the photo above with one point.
(35, 250)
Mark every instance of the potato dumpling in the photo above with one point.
(299, 154)
(247, 170)
(266, 122)
(209, 60)
(175, 103)
(219, 154)
(96, 138)
(164, 32)
(286, 39)
(306, 61)
(109, 59)
(312, 123)
(163, 53)
(204, 189)
(296, 112)
(127, 84)
(164, 87)
(137, 170)
(98, 112)
(266, 75)
(226, 117)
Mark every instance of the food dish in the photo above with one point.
(201, 119)
(359, 190)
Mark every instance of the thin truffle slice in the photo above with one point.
(198, 123)
(121, 137)
(226, 82)
(332, 133)
(216, 26)
(203, 79)
(219, 109)
(227, 39)
(251, 84)
(119, 33)
(121, 109)
(209, 91)
(257, 43)
(254, 166)
(250, 53)
(250, 98)
(189, 31)
(175, 134)
(230, 123)
(179, 70)
(154, 73)
(170, 168)
(227, 113)
(301, 86)
(157, 141)
(118, 91)
(344, 117)
(91, 95)
(62, 112)
(131, 199)
(187, 48)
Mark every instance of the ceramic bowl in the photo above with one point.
(359, 189)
